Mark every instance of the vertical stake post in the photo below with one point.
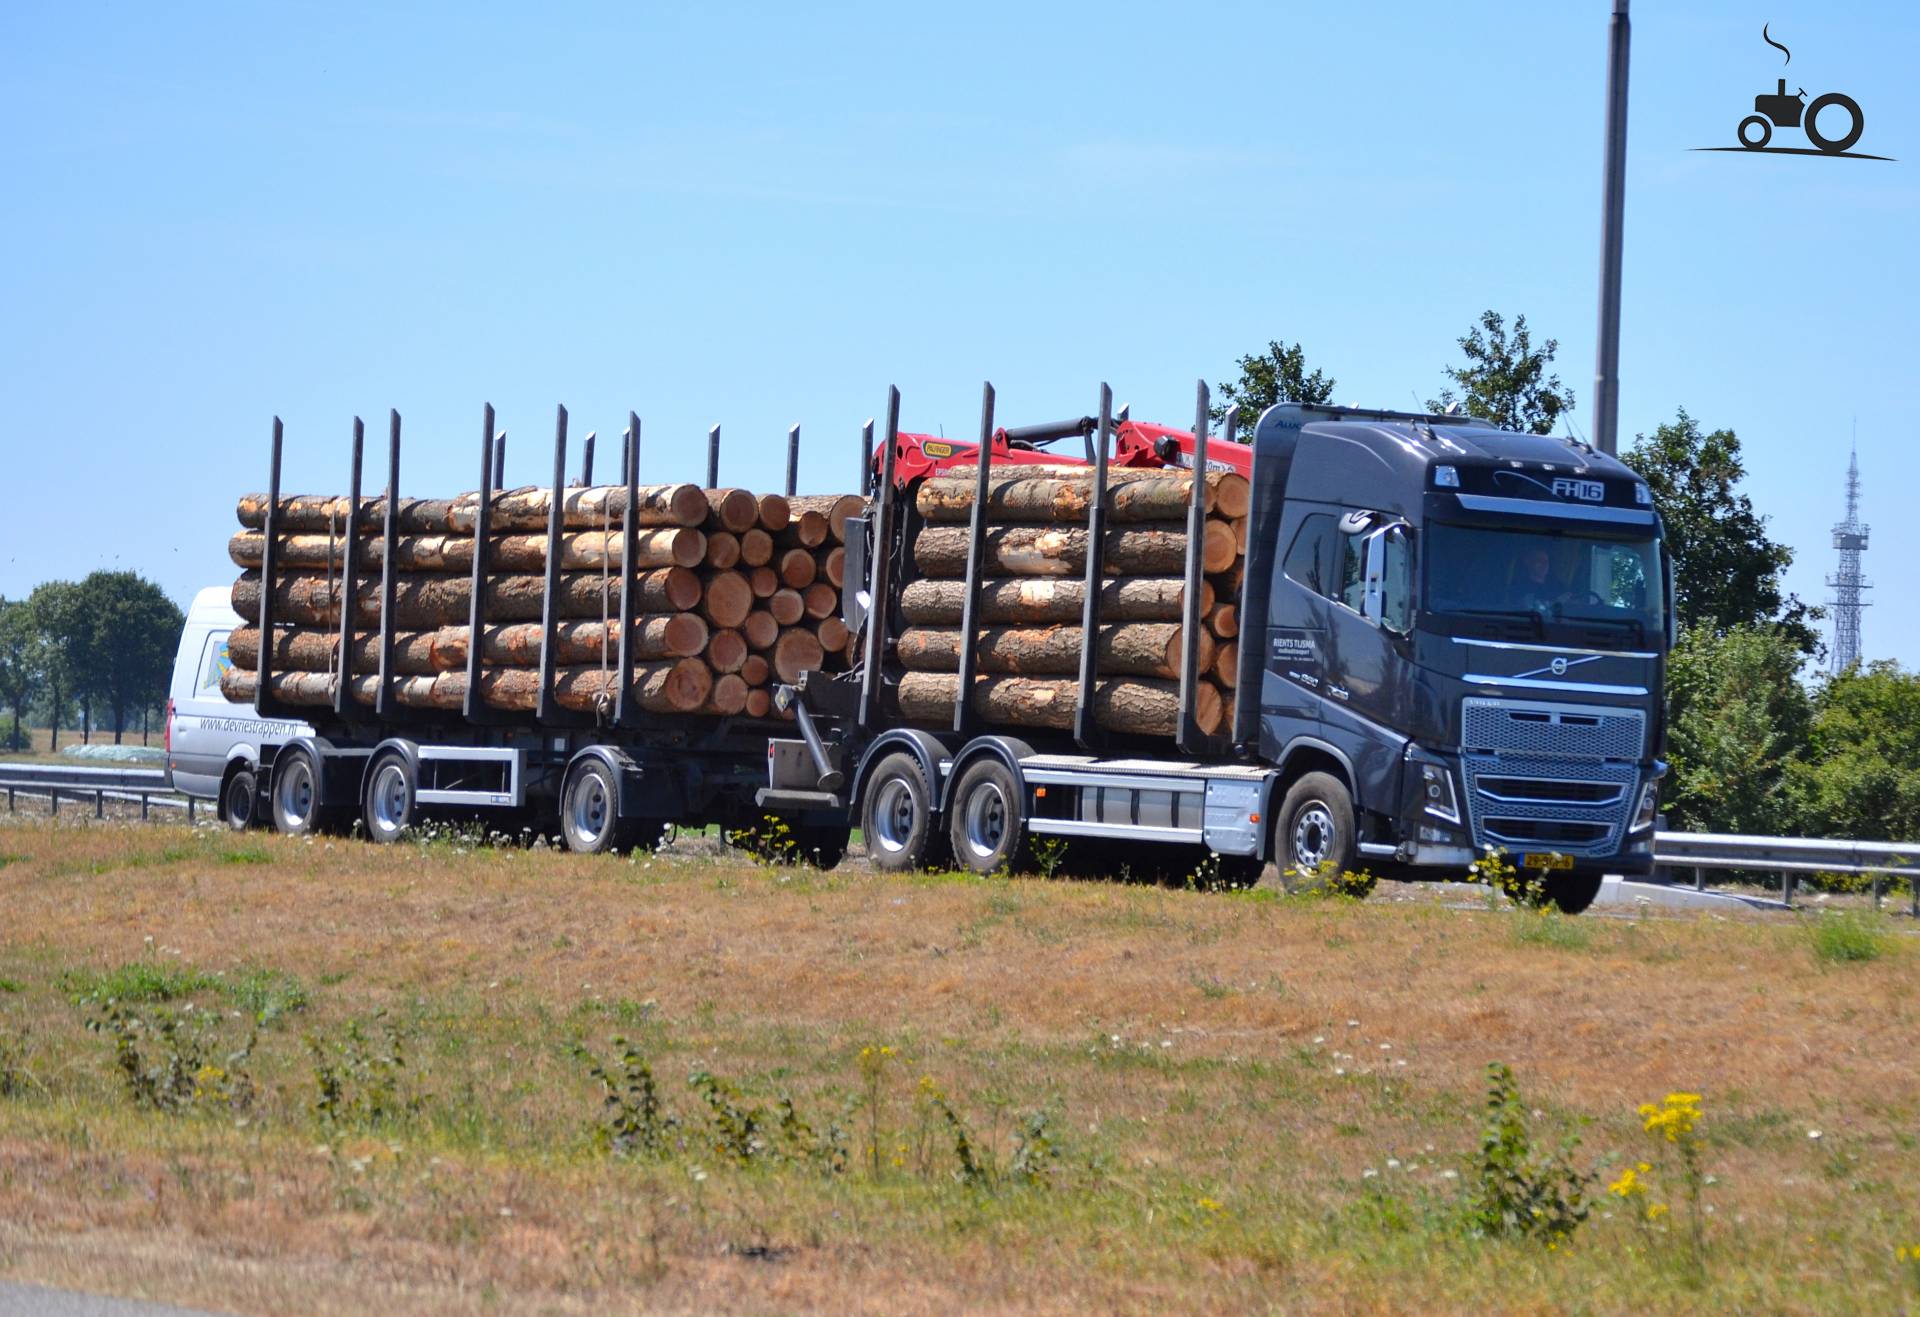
(793, 459)
(586, 458)
(865, 487)
(629, 551)
(879, 570)
(499, 461)
(490, 448)
(1190, 739)
(963, 718)
(349, 575)
(383, 702)
(713, 458)
(550, 604)
(1613, 207)
(1085, 725)
(263, 702)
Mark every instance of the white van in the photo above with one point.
(212, 744)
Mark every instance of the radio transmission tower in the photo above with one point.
(1850, 537)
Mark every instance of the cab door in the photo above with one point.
(1366, 676)
(1292, 675)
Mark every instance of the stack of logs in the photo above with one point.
(1033, 591)
(735, 591)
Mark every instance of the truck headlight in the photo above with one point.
(1436, 793)
(1643, 817)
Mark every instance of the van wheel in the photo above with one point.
(388, 803)
(896, 815)
(988, 823)
(590, 811)
(1315, 827)
(296, 794)
(240, 800)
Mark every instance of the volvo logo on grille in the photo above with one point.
(1559, 667)
(1560, 664)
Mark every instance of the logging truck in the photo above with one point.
(1365, 639)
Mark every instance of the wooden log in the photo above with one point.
(759, 702)
(1240, 525)
(420, 601)
(1132, 599)
(1139, 649)
(835, 567)
(1137, 706)
(313, 649)
(1223, 619)
(682, 686)
(820, 599)
(726, 651)
(589, 507)
(941, 551)
(832, 634)
(787, 606)
(798, 568)
(726, 599)
(723, 549)
(808, 529)
(762, 631)
(1134, 494)
(731, 509)
(756, 670)
(1226, 664)
(836, 508)
(763, 581)
(773, 513)
(728, 697)
(796, 651)
(756, 548)
(658, 546)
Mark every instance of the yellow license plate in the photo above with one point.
(1546, 860)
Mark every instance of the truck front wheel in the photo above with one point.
(296, 794)
(987, 821)
(1315, 828)
(896, 815)
(1573, 892)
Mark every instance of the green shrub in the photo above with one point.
(1521, 1190)
(1849, 936)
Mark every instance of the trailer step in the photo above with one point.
(786, 798)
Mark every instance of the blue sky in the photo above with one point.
(761, 215)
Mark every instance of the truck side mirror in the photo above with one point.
(1672, 604)
(1388, 602)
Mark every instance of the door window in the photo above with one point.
(214, 663)
(1305, 564)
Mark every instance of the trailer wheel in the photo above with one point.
(240, 800)
(988, 822)
(296, 794)
(896, 815)
(389, 805)
(1316, 826)
(1573, 892)
(590, 811)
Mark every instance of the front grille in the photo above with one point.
(1552, 775)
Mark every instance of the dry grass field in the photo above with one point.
(273, 1075)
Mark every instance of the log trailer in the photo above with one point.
(1453, 639)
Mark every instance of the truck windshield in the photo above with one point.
(1551, 576)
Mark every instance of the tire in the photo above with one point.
(1766, 132)
(1316, 826)
(1833, 145)
(240, 800)
(1573, 892)
(388, 801)
(896, 816)
(295, 799)
(987, 822)
(821, 845)
(590, 819)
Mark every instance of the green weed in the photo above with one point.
(1849, 937)
(1522, 1190)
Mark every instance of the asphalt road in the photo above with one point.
(18, 1300)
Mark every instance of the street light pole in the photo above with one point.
(1606, 380)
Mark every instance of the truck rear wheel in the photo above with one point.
(240, 800)
(295, 798)
(1316, 826)
(590, 811)
(896, 815)
(389, 805)
(987, 822)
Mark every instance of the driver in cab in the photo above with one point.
(1535, 587)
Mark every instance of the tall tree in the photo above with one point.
(60, 616)
(1727, 570)
(135, 631)
(1277, 375)
(1860, 776)
(21, 667)
(1736, 719)
(1505, 379)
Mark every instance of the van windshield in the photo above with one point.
(1550, 576)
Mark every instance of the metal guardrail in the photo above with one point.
(1789, 856)
(95, 786)
(72, 775)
